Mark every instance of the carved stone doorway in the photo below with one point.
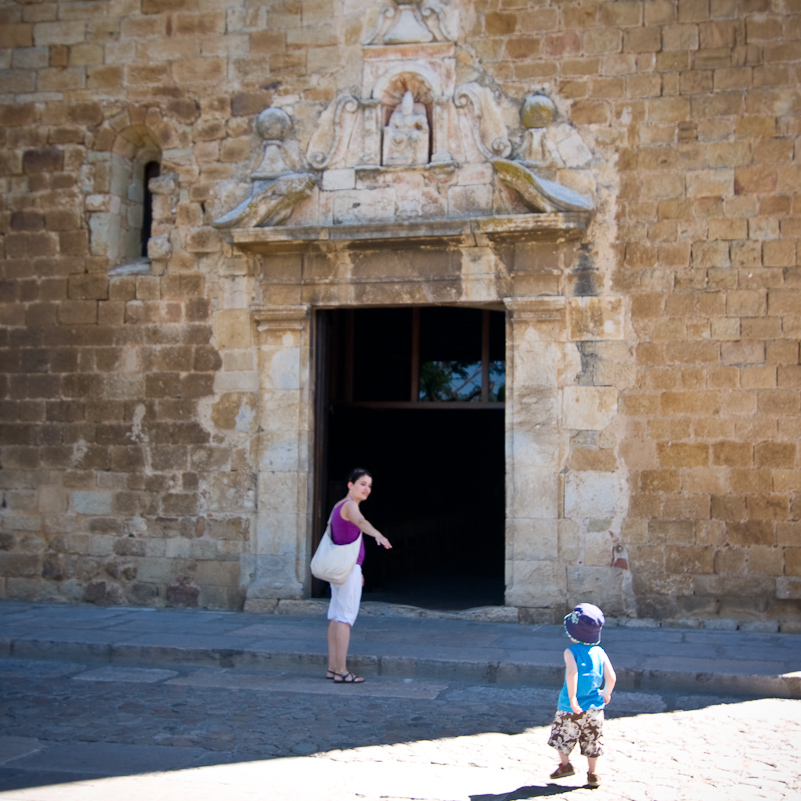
(396, 268)
(416, 395)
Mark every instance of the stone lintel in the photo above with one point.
(557, 227)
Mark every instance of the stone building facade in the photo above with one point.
(196, 193)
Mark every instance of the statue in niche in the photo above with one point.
(406, 135)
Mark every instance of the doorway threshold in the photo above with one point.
(486, 614)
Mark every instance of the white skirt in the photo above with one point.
(345, 598)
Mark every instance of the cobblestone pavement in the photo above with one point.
(84, 732)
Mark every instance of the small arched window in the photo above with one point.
(121, 218)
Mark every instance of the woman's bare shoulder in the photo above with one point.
(346, 509)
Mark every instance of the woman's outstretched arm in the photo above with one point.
(350, 511)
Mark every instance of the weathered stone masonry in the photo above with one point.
(150, 408)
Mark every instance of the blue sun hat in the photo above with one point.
(584, 624)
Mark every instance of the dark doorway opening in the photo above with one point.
(416, 396)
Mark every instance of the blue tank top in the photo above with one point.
(343, 531)
(590, 663)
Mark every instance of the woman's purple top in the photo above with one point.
(343, 531)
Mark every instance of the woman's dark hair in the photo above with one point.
(356, 474)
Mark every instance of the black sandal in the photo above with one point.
(332, 674)
(349, 678)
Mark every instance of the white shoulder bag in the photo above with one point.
(332, 562)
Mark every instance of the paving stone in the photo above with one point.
(17, 747)
(646, 658)
(212, 734)
(28, 668)
(126, 674)
(106, 759)
(405, 688)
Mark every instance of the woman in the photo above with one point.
(347, 522)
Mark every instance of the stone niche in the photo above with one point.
(413, 193)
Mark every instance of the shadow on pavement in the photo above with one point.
(87, 721)
(533, 791)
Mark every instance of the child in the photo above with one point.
(589, 681)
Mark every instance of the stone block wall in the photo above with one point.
(129, 389)
(695, 107)
(124, 438)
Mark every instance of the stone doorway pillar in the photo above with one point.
(535, 351)
(277, 567)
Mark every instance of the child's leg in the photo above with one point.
(591, 737)
(564, 735)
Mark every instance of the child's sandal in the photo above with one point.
(563, 771)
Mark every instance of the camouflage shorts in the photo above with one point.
(585, 729)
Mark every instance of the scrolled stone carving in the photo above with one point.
(501, 146)
(467, 97)
(539, 193)
(385, 19)
(271, 202)
(409, 27)
(277, 189)
(319, 160)
(434, 18)
(411, 22)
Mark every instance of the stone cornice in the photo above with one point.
(556, 227)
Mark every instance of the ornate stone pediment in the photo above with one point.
(411, 146)
(411, 22)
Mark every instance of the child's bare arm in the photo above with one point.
(610, 679)
(571, 680)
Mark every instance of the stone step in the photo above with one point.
(403, 642)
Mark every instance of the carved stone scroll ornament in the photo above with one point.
(277, 189)
(319, 160)
(539, 193)
(469, 97)
(434, 19)
(271, 203)
(411, 22)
